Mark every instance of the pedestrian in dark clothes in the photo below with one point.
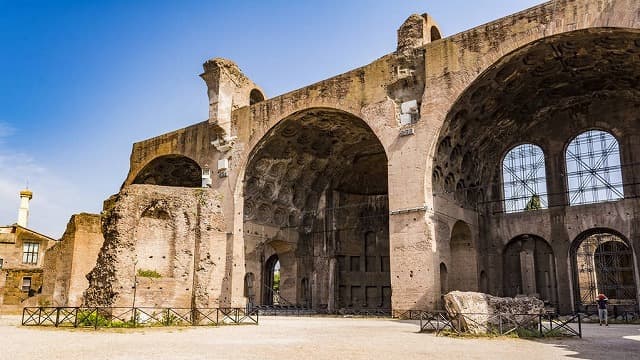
(602, 309)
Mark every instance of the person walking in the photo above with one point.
(602, 309)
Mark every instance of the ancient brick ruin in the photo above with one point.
(476, 162)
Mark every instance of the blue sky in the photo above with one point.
(80, 81)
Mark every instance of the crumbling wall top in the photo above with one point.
(417, 31)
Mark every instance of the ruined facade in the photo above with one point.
(22, 258)
(67, 263)
(479, 161)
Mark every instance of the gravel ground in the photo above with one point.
(304, 338)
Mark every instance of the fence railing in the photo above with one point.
(135, 317)
(527, 325)
(365, 312)
(283, 310)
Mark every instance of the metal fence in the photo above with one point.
(526, 325)
(135, 317)
(294, 310)
(410, 314)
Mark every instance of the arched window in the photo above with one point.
(593, 168)
(523, 179)
(255, 96)
(435, 34)
(171, 170)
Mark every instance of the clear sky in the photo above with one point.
(80, 81)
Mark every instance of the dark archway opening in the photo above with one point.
(171, 170)
(317, 183)
(255, 96)
(444, 284)
(603, 264)
(530, 269)
(435, 34)
(271, 281)
(464, 263)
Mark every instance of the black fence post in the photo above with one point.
(579, 326)
(96, 323)
(135, 317)
(57, 317)
(540, 326)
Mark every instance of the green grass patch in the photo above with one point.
(149, 274)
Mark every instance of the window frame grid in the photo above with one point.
(594, 168)
(30, 250)
(523, 176)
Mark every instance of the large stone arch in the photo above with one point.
(318, 182)
(540, 93)
(514, 99)
(457, 62)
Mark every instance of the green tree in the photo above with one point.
(276, 280)
(533, 203)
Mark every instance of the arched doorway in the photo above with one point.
(317, 182)
(529, 269)
(464, 272)
(444, 286)
(603, 263)
(271, 281)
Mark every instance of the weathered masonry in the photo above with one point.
(501, 159)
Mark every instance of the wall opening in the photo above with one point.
(524, 181)
(318, 181)
(271, 282)
(594, 171)
(255, 96)
(603, 264)
(464, 262)
(171, 170)
(444, 286)
(529, 269)
(435, 34)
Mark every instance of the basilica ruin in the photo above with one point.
(502, 159)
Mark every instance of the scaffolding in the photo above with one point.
(524, 180)
(603, 263)
(594, 172)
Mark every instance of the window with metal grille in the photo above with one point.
(26, 283)
(30, 252)
(524, 180)
(594, 171)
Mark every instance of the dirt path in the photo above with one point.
(305, 338)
